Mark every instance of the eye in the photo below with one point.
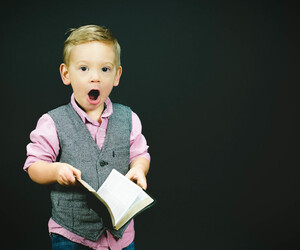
(84, 68)
(105, 69)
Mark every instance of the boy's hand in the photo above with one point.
(138, 170)
(137, 175)
(65, 174)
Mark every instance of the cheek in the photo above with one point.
(78, 88)
(107, 89)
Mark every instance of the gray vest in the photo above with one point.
(70, 208)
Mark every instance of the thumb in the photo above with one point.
(142, 183)
(129, 175)
(76, 173)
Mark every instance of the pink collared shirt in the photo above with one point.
(44, 146)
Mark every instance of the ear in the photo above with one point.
(118, 76)
(64, 73)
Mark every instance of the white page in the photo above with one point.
(140, 197)
(142, 201)
(119, 193)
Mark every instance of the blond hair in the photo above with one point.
(90, 33)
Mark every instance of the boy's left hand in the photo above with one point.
(137, 175)
(139, 168)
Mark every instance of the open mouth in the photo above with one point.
(94, 94)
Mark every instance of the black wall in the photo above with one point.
(215, 84)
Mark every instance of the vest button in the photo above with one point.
(103, 163)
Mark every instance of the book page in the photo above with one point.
(119, 193)
(142, 201)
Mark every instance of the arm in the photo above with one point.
(42, 152)
(47, 173)
(139, 156)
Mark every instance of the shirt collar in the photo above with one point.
(108, 110)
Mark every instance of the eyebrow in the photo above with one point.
(102, 63)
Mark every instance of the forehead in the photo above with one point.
(93, 52)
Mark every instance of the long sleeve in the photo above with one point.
(138, 143)
(44, 145)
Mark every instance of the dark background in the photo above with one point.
(215, 84)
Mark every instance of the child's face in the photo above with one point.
(92, 73)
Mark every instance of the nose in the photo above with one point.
(95, 76)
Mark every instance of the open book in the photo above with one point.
(122, 198)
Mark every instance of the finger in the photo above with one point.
(74, 172)
(129, 175)
(77, 173)
(69, 178)
(72, 180)
(63, 181)
(142, 183)
(133, 177)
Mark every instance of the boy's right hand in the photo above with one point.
(65, 174)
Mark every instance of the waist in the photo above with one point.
(105, 240)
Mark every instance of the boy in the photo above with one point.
(87, 138)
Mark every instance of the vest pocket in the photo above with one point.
(63, 215)
(119, 159)
(87, 221)
(77, 217)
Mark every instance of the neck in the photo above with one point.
(94, 114)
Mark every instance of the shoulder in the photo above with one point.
(135, 119)
(136, 122)
(122, 110)
(45, 130)
(121, 115)
(118, 106)
(45, 121)
(59, 109)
